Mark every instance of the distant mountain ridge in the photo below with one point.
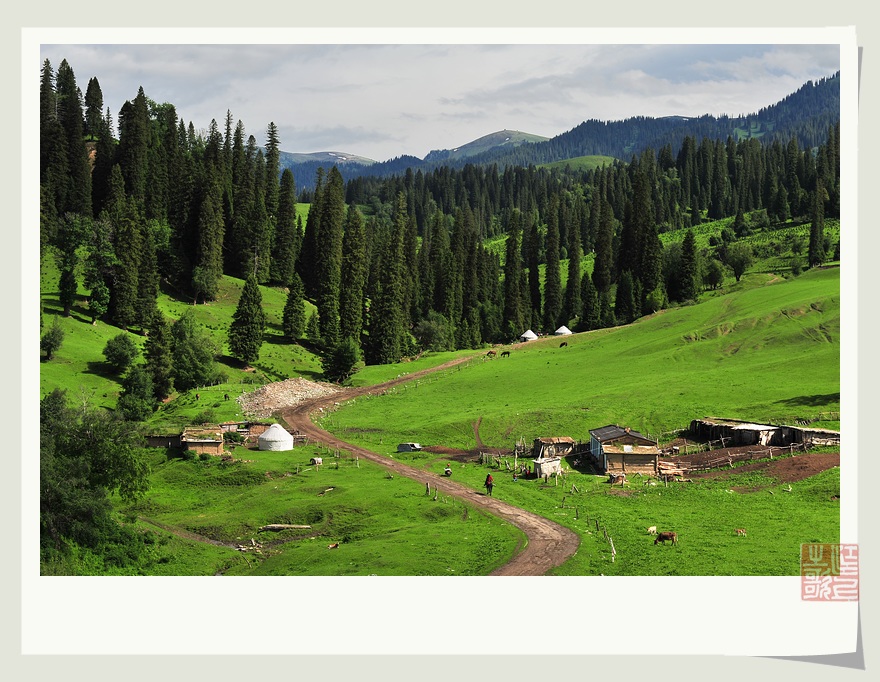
(806, 115)
(487, 143)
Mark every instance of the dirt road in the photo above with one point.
(549, 544)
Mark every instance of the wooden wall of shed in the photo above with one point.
(735, 437)
(630, 462)
(205, 448)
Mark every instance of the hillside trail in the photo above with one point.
(548, 544)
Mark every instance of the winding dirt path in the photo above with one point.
(549, 544)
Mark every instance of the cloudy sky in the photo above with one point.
(393, 97)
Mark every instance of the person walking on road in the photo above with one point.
(488, 484)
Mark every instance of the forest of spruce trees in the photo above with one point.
(394, 264)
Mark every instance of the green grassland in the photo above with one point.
(766, 353)
(766, 348)
(581, 163)
(383, 524)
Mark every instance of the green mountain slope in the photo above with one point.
(767, 353)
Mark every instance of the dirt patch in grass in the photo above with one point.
(788, 469)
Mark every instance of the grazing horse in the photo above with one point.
(563, 344)
(505, 354)
(663, 537)
(490, 354)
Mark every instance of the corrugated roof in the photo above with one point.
(613, 431)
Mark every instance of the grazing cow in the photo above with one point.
(563, 344)
(652, 530)
(505, 353)
(198, 396)
(490, 354)
(666, 535)
(225, 396)
(740, 531)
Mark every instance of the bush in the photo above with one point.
(120, 352)
(51, 341)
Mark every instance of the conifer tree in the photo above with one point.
(248, 324)
(624, 302)
(306, 263)
(689, 268)
(209, 245)
(273, 170)
(354, 282)
(386, 335)
(573, 304)
(294, 316)
(328, 266)
(158, 356)
(816, 252)
(604, 250)
(513, 279)
(128, 246)
(134, 144)
(78, 180)
(590, 304)
(534, 256)
(94, 115)
(552, 277)
(287, 237)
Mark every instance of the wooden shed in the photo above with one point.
(557, 446)
(620, 449)
(203, 439)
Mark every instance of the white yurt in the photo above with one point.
(528, 336)
(562, 331)
(275, 438)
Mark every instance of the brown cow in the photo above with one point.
(740, 531)
(490, 354)
(666, 535)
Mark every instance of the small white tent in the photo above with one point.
(528, 336)
(562, 331)
(275, 438)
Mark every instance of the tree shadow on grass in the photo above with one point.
(103, 370)
(818, 400)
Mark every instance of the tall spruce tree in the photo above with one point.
(208, 268)
(604, 260)
(248, 323)
(514, 320)
(688, 275)
(287, 235)
(590, 313)
(386, 341)
(572, 305)
(78, 179)
(534, 260)
(552, 277)
(328, 266)
(354, 282)
(158, 356)
(293, 322)
(816, 252)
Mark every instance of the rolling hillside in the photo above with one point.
(767, 353)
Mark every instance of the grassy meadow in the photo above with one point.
(766, 348)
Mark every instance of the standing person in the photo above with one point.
(488, 484)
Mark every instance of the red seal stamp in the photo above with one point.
(829, 572)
